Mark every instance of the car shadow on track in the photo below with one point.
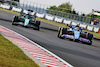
(5, 20)
(49, 29)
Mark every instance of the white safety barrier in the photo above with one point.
(49, 17)
(16, 9)
(83, 25)
(5, 6)
(90, 27)
(96, 29)
(33, 13)
(40, 15)
(73, 23)
(67, 22)
(25, 11)
(58, 19)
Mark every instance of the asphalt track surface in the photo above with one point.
(75, 53)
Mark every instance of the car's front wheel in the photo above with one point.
(15, 19)
(38, 24)
(59, 32)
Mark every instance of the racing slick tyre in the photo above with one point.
(83, 35)
(90, 36)
(86, 35)
(15, 19)
(38, 25)
(59, 32)
(64, 30)
(90, 43)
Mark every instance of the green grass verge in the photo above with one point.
(54, 23)
(12, 56)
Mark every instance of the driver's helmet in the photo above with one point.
(77, 27)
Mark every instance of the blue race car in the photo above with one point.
(27, 20)
(75, 33)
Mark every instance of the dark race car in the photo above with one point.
(76, 34)
(26, 19)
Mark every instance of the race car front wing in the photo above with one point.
(72, 37)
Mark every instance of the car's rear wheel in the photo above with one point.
(90, 36)
(86, 35)
(83, 35)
